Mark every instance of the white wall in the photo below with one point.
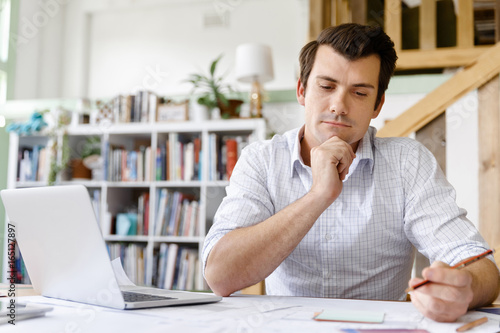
(94, 48)
(462, 154)
(172, 40)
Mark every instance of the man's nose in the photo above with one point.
(338, 103)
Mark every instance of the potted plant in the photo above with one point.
(89, 159)
(214, 92)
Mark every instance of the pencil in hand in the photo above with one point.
(460, 265)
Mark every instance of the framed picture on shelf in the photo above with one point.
(173, 111)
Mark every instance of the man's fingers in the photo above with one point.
(445, 292)
(438, 263)
(436, 309)
(445, 275)
(343, 167)
(335, 140)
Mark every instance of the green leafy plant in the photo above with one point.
(92, 146)
(212, 88)
(59, 132)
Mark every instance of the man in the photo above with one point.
(329, 210)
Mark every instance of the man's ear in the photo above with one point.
(376, 112)
(301, 93)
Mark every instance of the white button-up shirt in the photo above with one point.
(394, 199)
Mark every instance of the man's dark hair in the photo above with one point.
(353, 41)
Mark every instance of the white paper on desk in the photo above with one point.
(20, 311)
(121, 276)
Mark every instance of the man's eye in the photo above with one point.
(360, 93)
(326, 87)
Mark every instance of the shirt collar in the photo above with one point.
(295, 145)
(364, 151)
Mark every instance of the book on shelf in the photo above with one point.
(176, 214)
(33, 163)
(138, 108)
(177, 267)
(224, 152)
(95, 196)
(231, 156)
(170, 266)
(160, 211)
(128, 165)
(178, 158)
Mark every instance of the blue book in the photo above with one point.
(132, 165)
(34, 163)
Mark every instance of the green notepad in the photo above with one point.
(353, 316)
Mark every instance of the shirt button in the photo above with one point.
(328, 236)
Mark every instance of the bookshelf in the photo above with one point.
(157, 190)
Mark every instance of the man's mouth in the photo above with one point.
(335, 123)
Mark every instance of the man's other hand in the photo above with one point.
(447, 297)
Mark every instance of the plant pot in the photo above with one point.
(79, 170)
(231, 109)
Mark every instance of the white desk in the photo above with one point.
(240, 314)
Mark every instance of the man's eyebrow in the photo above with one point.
(358, 85)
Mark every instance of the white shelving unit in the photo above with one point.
(114, 196)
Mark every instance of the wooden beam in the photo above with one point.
(256, 289)
(344, 11)
(315, 18)
(497, 22)
(392, 22)
(438, 58)
(465, 24)
(432, 105)
(358, 11)
(334, 13)
(427, 25)
(327, 16)
(489, 161)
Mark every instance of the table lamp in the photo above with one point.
(254, 65)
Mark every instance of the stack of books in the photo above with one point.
(177, 268)
(138, 108)
(176, 214)
(33, 163)
(224, 151)
(122, 165)
(179, 158)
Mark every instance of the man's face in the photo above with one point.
(340, 97)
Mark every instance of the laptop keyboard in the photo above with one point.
(129, 296)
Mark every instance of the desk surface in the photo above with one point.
(234, 314)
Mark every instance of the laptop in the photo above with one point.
(66, 256)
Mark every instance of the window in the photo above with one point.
(5, 61)
(4, 30)
(3, 86)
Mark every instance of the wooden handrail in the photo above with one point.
(485, 67)
(442, 57)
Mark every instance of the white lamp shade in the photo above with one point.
(254, 62)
